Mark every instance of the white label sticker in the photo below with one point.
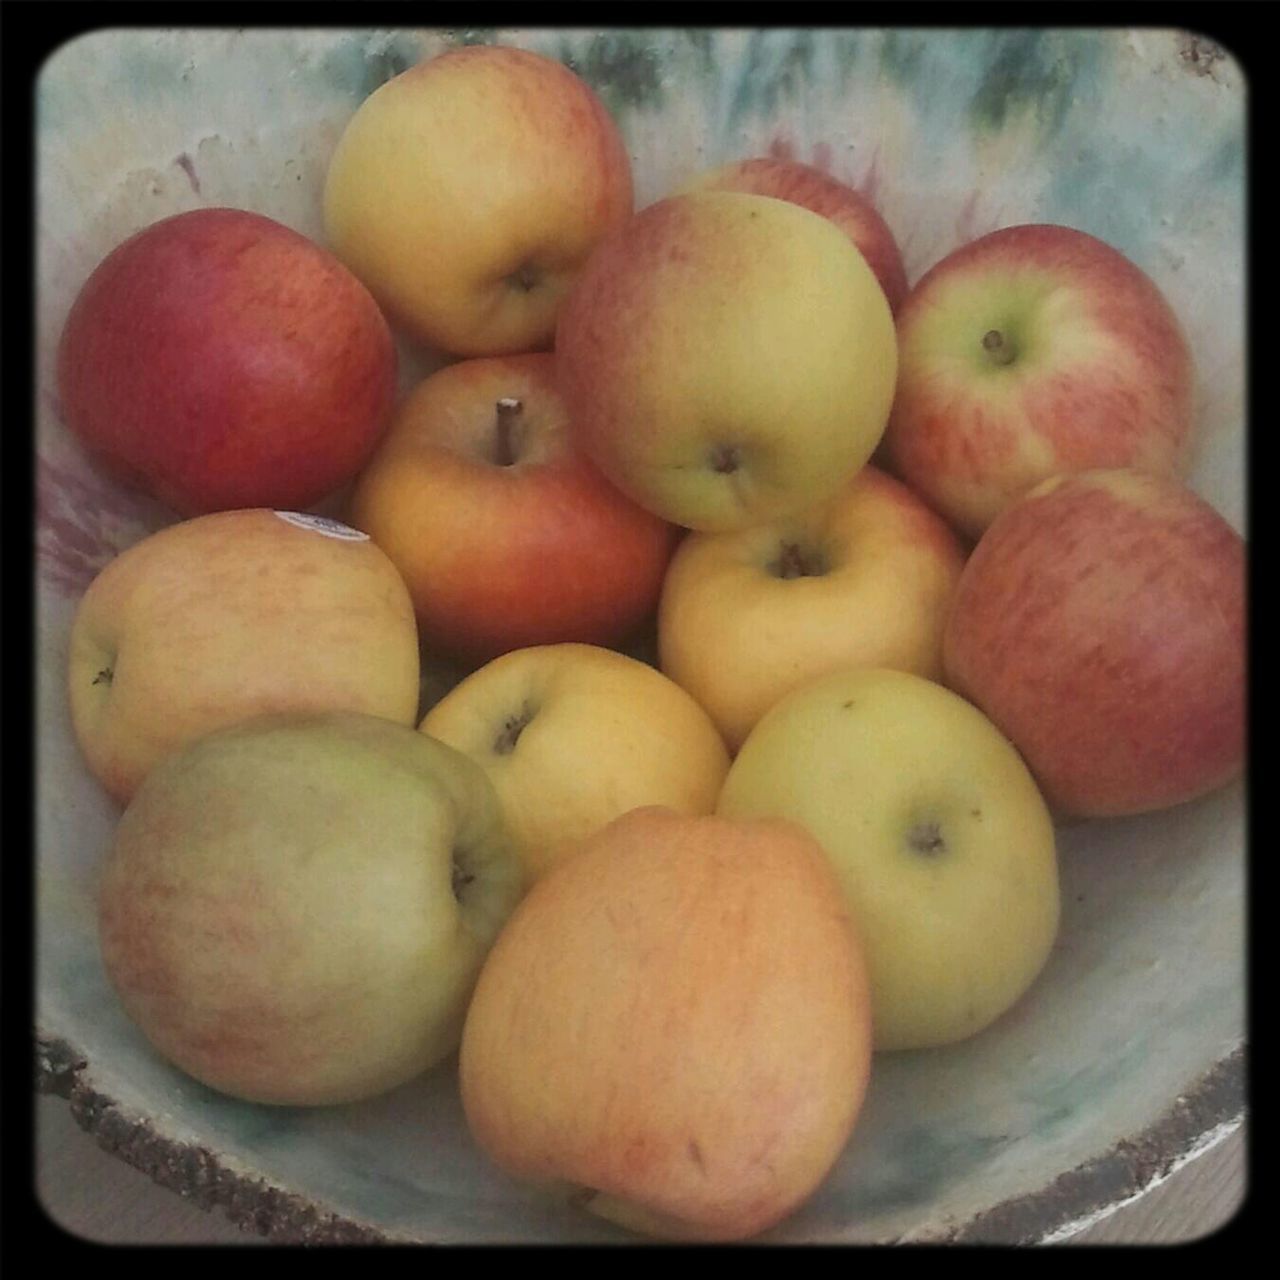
(323, 524)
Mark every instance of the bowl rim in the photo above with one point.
(1213, 1107)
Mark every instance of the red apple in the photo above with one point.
(1034, 351)
(810, 188)
(1100, 623)
(506, 535)
(221, 361)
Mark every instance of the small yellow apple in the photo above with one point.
(937, 831)
(468, 191)
(865, 580)
(573, 736)
(675, 1023)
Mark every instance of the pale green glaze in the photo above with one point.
(953, 133)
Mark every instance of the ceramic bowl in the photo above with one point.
(1126, 1060)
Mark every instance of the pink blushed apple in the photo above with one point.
(1034, 351)
(1100, 623)
(221, 361)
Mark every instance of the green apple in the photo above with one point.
(295, 908)
(937, 831)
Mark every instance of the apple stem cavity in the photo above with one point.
(505, 743)
(461, 877)
(524, 278)
(998, 348)
(796, 561)
(725, 459)
(105, 676)
(505, 453)
(926, 838)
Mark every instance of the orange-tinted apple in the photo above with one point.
(727, 359)
(1101, 623)
(231, 615)
(506, 535)
(1031, 352)
(865, 580)
(219, 360)
(674, 1027)
(468, 191)
(805, 185)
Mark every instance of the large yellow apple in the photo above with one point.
(468, 191)
(937, 831)
(866, 580)
(727, 358)
(674, 1023)
(215, 619)
(573, 736)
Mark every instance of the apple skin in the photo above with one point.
(811, 188)
(1101, 623)
(468, 191)
(573, 736)
(219, 360)
(541, 550)
(937, 831)
(676, 1019)
(295, 909)
(727, 359)
(229, 615)
(1099, 372)
(875, 571)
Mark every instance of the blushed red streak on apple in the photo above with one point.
(1105, 638)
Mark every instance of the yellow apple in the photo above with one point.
(674, 1023)
(229, 615)
(295, 909)
(866, 580)
(468, 191)
(937, 831)
(727, 358)
(573, 736)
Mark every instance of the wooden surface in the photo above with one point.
(98, 1197)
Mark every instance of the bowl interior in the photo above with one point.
(1135, 136)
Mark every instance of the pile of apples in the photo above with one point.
(924, 574)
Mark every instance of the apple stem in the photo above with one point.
(1002, 352)
(105, 676)
(509, 411)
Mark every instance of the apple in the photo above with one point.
(219, 360)
(865, 580)
(939, 835)
(727, 359)
(229, 615)
(505, 534)
(811, 188)
(673, 1027)
(294, 909)
(468, 191)
(573, 736)
(1102, 623)
(1034, 351)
